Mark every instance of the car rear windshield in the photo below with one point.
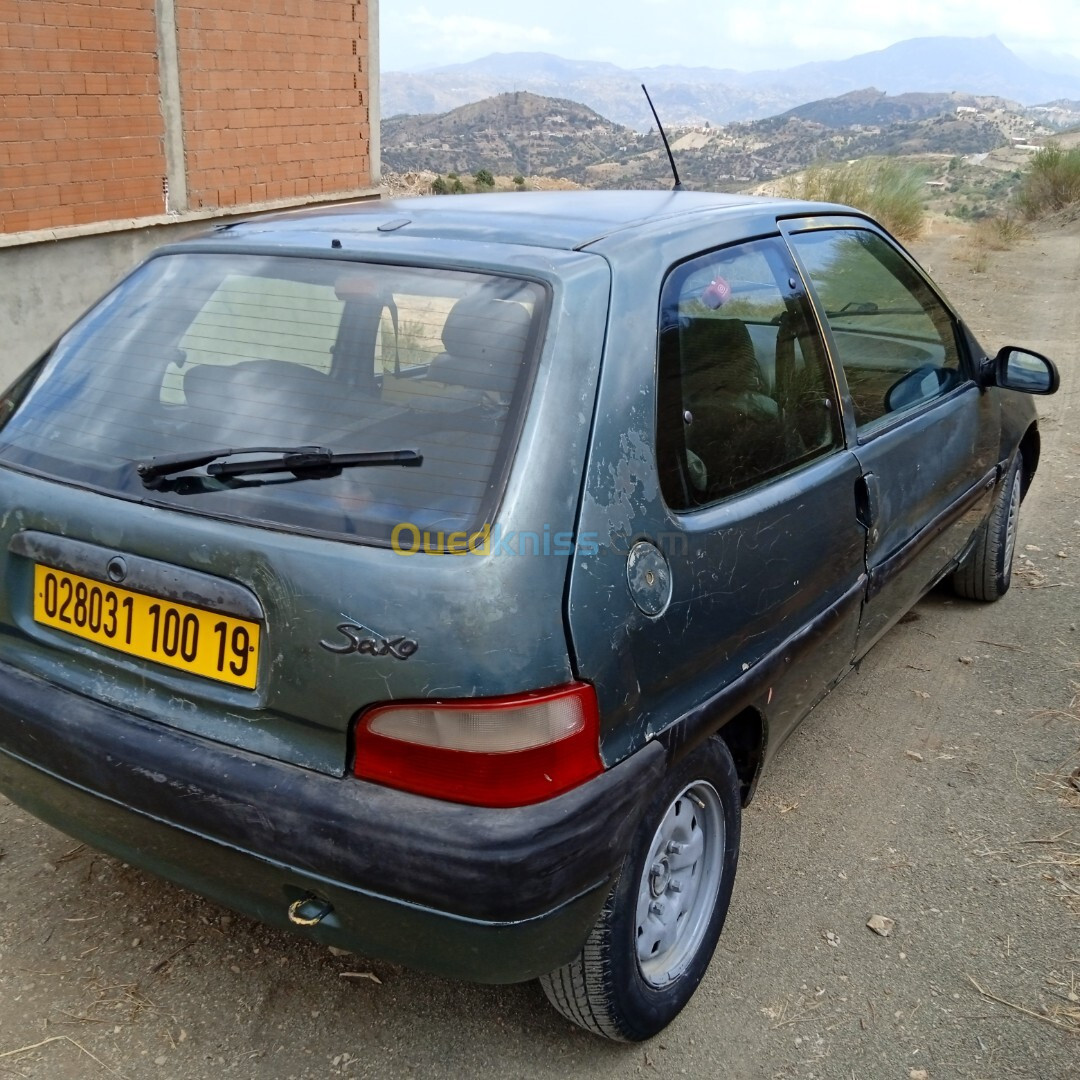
(198, 351)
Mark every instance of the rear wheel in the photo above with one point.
(987, 571)
(655, 937)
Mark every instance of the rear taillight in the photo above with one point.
(506, 751)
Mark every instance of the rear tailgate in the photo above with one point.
(266, 637)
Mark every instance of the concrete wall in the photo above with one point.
(45, 287)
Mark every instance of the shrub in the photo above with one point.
(886, 189)
(999, 233)
(457, 187)
(990, 234)
(439, 186)
(1051, 182)
(483, 180)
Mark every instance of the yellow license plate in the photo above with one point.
(193, 639)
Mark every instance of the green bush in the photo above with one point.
(457, 187)
(886, 189)
(483, 180)
(1051, 182)
(439, 186)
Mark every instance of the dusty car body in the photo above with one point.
(435, 578)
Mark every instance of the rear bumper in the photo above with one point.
(489, 895)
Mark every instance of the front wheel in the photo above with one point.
(653, 941)
(987, 571)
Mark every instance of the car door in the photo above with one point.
(924, 432)
(725, 559)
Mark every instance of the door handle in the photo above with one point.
(868, 504)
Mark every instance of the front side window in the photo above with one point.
(744, 389)
(203, 350)
(893, 337)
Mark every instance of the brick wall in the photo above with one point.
(275, 98)
(272, 106)
(80, 122)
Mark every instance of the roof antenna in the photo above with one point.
(667, 146)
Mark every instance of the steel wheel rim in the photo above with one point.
(1011, 522)
(679, 883)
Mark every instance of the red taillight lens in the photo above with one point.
(507, 751)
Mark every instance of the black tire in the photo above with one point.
(607, 988)
(987, 571)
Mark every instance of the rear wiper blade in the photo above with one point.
(307, 460)
(316, 461)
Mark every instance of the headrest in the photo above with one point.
(485, 342)
(723, 351)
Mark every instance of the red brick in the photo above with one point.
(14, 106)
(97, 210)
(62, 216)
(42, 219)
(20, 36)
(45, 38)
(30, 198)
(16, 221)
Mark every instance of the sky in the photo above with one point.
(418, 34)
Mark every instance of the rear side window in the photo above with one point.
(202, 351)
(744, 388)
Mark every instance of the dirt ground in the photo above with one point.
(932, 788)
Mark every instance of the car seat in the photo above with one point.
(733, 426)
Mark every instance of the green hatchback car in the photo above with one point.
(435, 578)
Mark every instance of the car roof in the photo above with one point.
(569, 220)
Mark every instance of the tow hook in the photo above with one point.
(309, 910)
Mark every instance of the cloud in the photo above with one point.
(449, 38)
(764, 34)
(839, 28)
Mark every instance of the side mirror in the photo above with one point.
(1026, 371)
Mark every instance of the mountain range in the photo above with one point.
(694, 95)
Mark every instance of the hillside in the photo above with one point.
(531, 135)
(518, 133)
(685, 95)
(872, 107)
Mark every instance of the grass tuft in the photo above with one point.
(991, 234)
(1051, 182)
(999, 233)
(886, 189)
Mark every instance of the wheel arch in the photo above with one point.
(745, 733)
(1030, 447)
(746, 737)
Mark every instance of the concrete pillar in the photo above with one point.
(374, 103)
(171, 110)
